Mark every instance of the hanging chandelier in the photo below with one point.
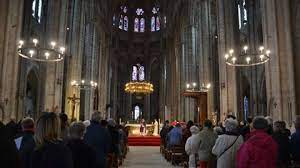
(247, 57)
(139, 88)
(84, 85)
(192, 87)
(33, 51)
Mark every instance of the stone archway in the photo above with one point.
(31, 94)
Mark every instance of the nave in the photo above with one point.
(145, 157)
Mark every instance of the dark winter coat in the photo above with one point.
(52, 155)
(295, 146)
(83, 155)
(97, 137)
(26, 148)
(284, 145)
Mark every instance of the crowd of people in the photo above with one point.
(259, 143)
(51, 142)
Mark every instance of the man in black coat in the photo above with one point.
(98, 138)
(25, 143)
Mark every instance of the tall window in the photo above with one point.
(136, 112)
(123, 19)
(139, 21)
(242, 13)
(36, 7)
(155, 20)
(138, 73)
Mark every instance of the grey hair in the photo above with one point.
(231, 124)
(77, 130)
(96, 116)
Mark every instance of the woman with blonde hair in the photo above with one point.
(50, 151)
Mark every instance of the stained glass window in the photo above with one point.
(134, 73)
(126, 23)
(141, 73)
(139, 12)
(121, 22)
(142, 25)
(136, 112)
(157, 23)
(40, 11)
(136, 25)
(152, 23)
(114, 20)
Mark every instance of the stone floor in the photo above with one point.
(145, 157)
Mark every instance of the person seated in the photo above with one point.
(175, 136)
(83, 155)
(260, 150)
(163, 133)
(192, 145)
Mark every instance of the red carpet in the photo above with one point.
(144, 141)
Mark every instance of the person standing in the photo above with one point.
(283, 143)
(26, 143)
(143, 128)
(83, 155)
(260, 150)
(98, 138)
(227, 145)
(50, 151)
(295, 143)
(207, 139)
(192, 145)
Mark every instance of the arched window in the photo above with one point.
(242, 13)
(136, 25)
(134, 76)
(141, 73)
(155, 20)
(36, 7)
(142, 25)
(139, 21)
(123, 19)
(121, 22)
(136, 112)
(114, 20)
(126, 23)
(152, 23)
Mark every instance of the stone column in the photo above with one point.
(226, 34)
(280, 69)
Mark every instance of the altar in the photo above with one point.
(134, 130)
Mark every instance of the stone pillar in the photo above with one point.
(226, 34)
(280, 69)
(11, 14)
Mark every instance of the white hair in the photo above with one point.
(230, 124)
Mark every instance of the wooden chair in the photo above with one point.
(178, 155)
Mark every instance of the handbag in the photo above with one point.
(228, 147)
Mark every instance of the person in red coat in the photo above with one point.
(260, 150)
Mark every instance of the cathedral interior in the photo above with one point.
(177, 46)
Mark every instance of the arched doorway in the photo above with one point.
(31, 95)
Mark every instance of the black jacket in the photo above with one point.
(26, 148)
(83, 155)
(52, 155)
(284, 147)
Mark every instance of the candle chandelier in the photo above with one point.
(247, 57)
(84, 85)
(34, 51)
(192, 87)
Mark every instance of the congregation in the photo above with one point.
(260, 143)
(51, 142)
